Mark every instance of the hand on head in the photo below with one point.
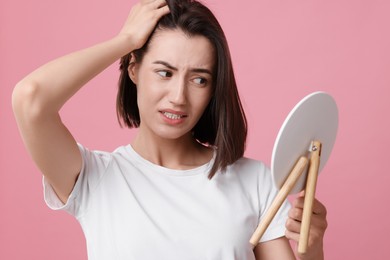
(142, 20)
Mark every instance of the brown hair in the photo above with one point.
(223, 123)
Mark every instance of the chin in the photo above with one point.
(173, 134)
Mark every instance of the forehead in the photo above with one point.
(180, 49)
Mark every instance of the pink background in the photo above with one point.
(282, 51)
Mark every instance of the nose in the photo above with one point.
(178, 93)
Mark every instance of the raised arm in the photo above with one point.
(38, 97)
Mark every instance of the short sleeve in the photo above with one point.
(94, 166)
(268, 193)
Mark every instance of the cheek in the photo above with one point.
(148, 96)
(143, 88)
(202, 102)
(205, 103)
(143, 99)
(206, 97)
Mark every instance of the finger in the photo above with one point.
(293, 232)
(292, 235)
(163, 10)
(318, 223)
(293, 225)
(319, 208)
(295, 213)
(159, 3)
(153, 4)
(298, 202)
(160, 7)
(146, 1)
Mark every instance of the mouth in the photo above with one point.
(173, 116)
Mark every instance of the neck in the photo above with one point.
(181, 154)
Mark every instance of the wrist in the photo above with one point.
(125, 42)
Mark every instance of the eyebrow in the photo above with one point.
(169, 66)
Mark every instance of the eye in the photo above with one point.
(200, 81)
(165, 73)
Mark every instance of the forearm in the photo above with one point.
(50, 86)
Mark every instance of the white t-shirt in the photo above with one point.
(130, 208)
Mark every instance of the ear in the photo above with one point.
(132, 69)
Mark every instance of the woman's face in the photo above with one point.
(174, 83)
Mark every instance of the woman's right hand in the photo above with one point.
(142, 20)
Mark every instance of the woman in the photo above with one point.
(181, 189)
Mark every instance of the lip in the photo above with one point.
(173, 121)
(179, 113)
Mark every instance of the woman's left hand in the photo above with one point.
(318, 225)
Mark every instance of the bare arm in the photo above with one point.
(274, 250)
(38, 97)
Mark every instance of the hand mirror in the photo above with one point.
(307, 134)
(315, 117)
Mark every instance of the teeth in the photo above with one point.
(172, 116)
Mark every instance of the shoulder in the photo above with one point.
(101, 158)
(245, 164)
(119, 151)
(252, 170)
